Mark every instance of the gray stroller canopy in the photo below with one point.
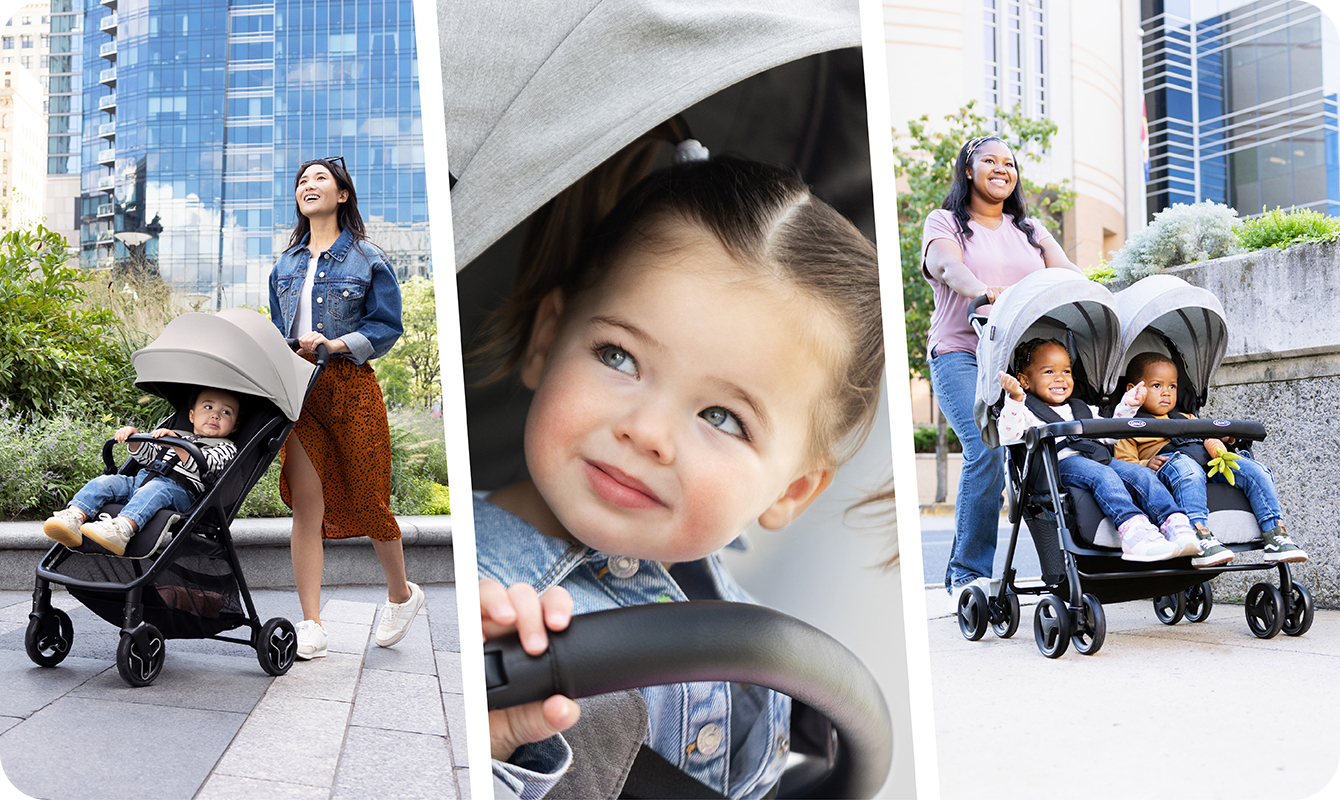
(1047, 304)
(235, 349)
(532, 105)
(1163, 311)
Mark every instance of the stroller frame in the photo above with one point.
(141, 652)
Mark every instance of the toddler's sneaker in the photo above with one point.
(396, 617)
(1279, 547)
(1141, 541)
(1212, 553)
(113, 534)
(1177, 529)
(63, 526)
(312, 640)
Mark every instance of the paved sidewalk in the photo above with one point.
(1189, 710)
(363, 722)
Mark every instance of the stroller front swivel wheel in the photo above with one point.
(1170, 608)
(276, 646)
(1091, 631)
(1007, 626)
(140, 667)
(1265, 610)
(1199, 601)
(49, 636)
(972, 612)
(1051, 626)
(1301, 609)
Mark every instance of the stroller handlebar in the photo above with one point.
(191, 448)
(974, 319)
(322, 354)
(1139, 426)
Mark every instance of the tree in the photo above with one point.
(411, 373)
(925, 158)
(52, 347)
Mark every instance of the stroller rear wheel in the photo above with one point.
(1265, 610)
(1199, 601)
(50, 634)
(1301, 608)
(1007, 626)
(1051, 626)
(140, 667)
(1170, 608)
(972, 613)
(1092, 628)
(276, 646)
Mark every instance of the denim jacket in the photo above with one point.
(355, 297)
(732, 738)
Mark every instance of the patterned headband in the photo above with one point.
(973, 144)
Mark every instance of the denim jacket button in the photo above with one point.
(782, 746)
(623, 566)
(320, 326)
(320, 299)
(320, 274)
(346, 292)
(709, 738)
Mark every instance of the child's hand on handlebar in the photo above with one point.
(1135, 396)
(520, 609)
(1012, 386)
(122, 434)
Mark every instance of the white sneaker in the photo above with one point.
(63, 526)
(112, 534)
(397, 617)
(983, 583)
(312, 640)
(1141, 541)
(1177, 529)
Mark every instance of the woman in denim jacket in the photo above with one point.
(334, 287)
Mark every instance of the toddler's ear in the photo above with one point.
(542, 334)
(798, 495)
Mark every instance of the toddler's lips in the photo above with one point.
(618, 488)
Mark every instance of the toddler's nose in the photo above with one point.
(647, 429)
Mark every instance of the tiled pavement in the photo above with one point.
(363, 722)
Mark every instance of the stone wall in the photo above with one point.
(1283, 369)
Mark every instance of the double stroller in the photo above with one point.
(1078, 547)
(180, 577)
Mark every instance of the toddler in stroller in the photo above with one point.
(1180, 464)
(1045, 375)
(169, 478)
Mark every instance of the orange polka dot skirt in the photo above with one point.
(343, 428)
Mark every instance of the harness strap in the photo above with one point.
(1096, 451)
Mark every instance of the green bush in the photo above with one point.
(44, 461)
(1101, 273)
(1279, 229)
(1182, 234)
(923, 440)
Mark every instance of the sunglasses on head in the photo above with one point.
(329, 160)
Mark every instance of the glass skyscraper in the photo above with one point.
(1241, 103)
(198, 113)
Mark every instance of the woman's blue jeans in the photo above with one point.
(1114, 485)
(977, 507)
(1186, 480)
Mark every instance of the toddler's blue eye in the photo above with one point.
(723, 420)
(617, 358)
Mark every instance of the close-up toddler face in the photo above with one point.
(674, 401)
(1048, 374)
(1161, 384)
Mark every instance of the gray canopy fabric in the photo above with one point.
(536, 99)
(235, 349)
(1048, 304)
(1163, 309)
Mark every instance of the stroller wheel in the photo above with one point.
(1265, 610)
(1051, 626)
(972, 613)
(50, 635)
(1170, 608)
(1006, 627)
(1299, 618)
(276, 646)
(1199, 601)
(1092, 628)
(140, 668)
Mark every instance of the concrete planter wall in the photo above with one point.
(1283, 369)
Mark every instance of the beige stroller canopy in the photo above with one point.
(1162, 313)
(536, 101)
(235, 349)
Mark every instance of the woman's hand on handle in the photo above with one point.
(308, 342)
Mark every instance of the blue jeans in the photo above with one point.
(1186, 480)
(143, 498)
(1113, 485)
(977, 508)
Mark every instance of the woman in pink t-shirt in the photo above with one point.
(977, 243)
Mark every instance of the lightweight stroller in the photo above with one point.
(180, 577)
(1077, 545)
